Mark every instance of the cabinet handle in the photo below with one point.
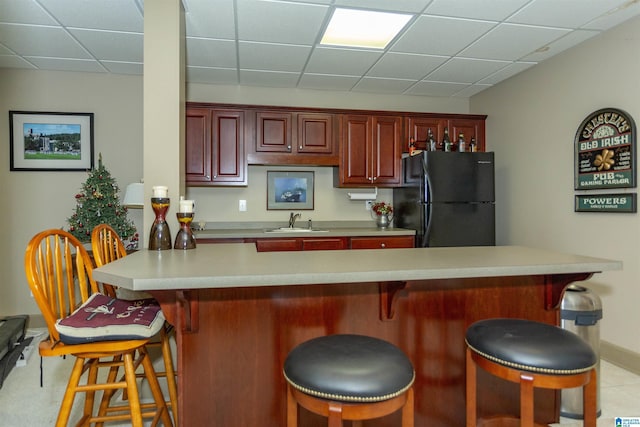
(289, 147)
(382, 245)
(208, 177)
(300, 148)
(215, 176)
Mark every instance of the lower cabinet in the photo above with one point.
(394, 242)
(283, 244)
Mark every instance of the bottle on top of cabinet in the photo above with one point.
(447, 145)
(472, 145)
(432, 145)
(462, 144)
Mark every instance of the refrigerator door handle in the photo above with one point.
(427, 230)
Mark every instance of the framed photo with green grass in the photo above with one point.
(50, 141)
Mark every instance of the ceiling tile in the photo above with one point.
(471, 90)
(270, 78)
(327, 82)
(123, 67)
(273, 57)
(435, 88)
(569, 40)
(111, 45)
(78, 65)
(506, 72)
(211, 53)
(492, 10)
(13, 61)
(405, 65)
(435, 35)
(377, 85)
(406, 6)
(511, 42)
(202, 20)
(566, 13)
(228, 76)
(346, 62)
(24, 12)
(121, 15)
(31, 40)
(292, 23)
(626, 11)
(465, 70)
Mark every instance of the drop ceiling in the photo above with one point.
(450, 48)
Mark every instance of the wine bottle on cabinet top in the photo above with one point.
(432, 145)
(446, 141)
(472, 145)
(462, 145)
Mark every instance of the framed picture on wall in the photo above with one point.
(50, 141)
(290, 190)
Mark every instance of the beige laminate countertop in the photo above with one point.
(229, 265)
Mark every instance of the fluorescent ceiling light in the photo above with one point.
(363, 28)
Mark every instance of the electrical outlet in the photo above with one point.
(368, 204)
(242, 205)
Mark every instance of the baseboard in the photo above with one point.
(620, 356)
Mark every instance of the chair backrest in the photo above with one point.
(59, 272)
(106, 245)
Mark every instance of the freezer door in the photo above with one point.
(459, 224)
(459, 177)
(409, 210)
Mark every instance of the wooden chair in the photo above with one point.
(107, 246)
(532, 354)
(349, 377)
(59, 273)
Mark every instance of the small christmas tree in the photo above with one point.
(98, 203)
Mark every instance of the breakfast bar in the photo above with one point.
(238, 312)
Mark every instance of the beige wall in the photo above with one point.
(533, 118)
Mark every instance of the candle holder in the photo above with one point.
(185, 238)
(160, 236)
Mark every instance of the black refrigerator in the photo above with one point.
(448, 198)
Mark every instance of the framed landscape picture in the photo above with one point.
(50, 141)
(289, 190)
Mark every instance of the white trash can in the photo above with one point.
(580, 311)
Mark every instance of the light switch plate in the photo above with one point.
(242, 205)
(368, 204)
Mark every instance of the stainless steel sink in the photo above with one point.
(295, 230)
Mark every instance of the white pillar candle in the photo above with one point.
(160, 191)
(186, 206)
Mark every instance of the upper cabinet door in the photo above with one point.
(198, 145)
(371, 151)
(273, 132)
(229, 160)
(418, 129)
(469, 128)
(315, 133)
(215, 147)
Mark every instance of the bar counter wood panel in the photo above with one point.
(231, 363)
(238, 313)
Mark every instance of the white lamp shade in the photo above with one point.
(134, 196)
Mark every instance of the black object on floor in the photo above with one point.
(12, 342)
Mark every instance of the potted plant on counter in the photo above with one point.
(382, 214)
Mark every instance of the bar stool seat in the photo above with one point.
(533, 354)
(349, 377)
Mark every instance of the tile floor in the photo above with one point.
(23, 403)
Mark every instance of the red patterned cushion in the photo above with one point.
(102, 318)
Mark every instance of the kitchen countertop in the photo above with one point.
(250, 233)
(230, 265)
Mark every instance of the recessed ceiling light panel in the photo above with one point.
(363, 28)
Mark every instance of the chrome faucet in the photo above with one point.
(292, 219)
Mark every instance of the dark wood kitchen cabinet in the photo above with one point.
(303, 138)
(371, 150)
(301, 244)
(393, 242)
(215, 147)
(418, 128)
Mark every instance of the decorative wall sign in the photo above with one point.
(620, 203)
(290, 190)
(605, 151)
(51, 141)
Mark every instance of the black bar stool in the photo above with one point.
(532, 354)
(349, 377)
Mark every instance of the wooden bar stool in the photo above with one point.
(532, 354)
(349, 377)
